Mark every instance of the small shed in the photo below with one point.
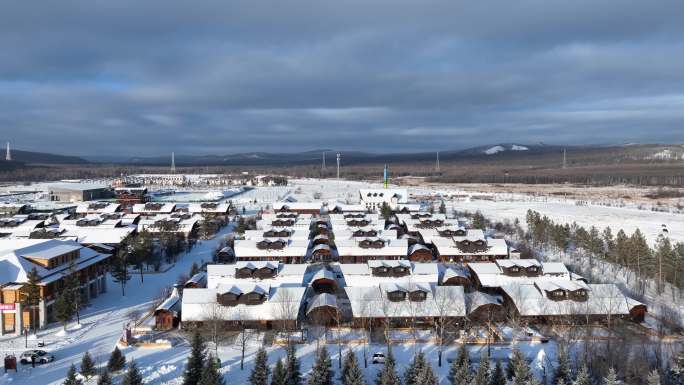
(485, 307)
(419, 253)
(225, 255)
(167, 314)
(323, 281)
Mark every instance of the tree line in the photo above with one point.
(663, 263)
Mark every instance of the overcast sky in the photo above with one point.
(212, 77)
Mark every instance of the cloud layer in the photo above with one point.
(211, 77)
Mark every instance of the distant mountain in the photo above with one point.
(20, 156)
(498, 152)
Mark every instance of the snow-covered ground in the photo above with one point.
(628, 219)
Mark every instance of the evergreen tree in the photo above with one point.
(426, 376)
(388, 374)
(105, 378)
(87, 366)
(279, 374)
(72, 287)
(194, 269)
(481, 377)
(653, 378)
(195, 364)
(210, 373)
(321, 373)
(351, 372)
(294, 375)
(261, 371)
(611, 378)
(118, 267)
(442, 208)
(30, 295)
(498, 377)
(117, 361)
(71, 378)
(64, 308)
(562, 374)
(459, 372)
(415, 369)
(582, 377)
(521, 370)
(517, 359)
(132, 376)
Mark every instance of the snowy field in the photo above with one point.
(628, 219)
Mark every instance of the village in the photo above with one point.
(375, 269)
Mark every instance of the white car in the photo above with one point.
(378, 358)
(41, 357)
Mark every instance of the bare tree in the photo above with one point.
(244, 335)
(287, 310)
(447, 310)
(214, 318)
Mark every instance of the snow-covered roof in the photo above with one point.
(321, 300)
(372, 302)
(245, 248)
(14, 265)
(161, 208)
(208, 207)
(97, 234)
(360, 274)
(172, 303)
(282, 303)
(490, 274)
(97, 208)
(287, 274)
(391, 247)
(603, 299)
(447, 247)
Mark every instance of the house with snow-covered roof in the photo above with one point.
(53, 260)
(254, 306)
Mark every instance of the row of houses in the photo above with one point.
(268, 294)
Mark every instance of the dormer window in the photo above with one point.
(417, 296)
(244, 272)
(400, 271)
(396, 296)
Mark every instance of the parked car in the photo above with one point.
(378, 358)
(41, 357)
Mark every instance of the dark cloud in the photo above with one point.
(146, 78)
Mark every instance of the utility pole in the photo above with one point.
(8, 155)
(338, 166)
(437, 167)
(173, 163)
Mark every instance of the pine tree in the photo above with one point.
(30, 294)
(210, 373)
(64, 308)
(562, 374)
(388, 374)
(119, 270)
(498, 377)
(481, 377)
(279, 374)
(117, 361)
(653, 378)
(87, 366)
(426, 376)
(71, 378)
(195, 364)
(611, 378)
(105, 378)
(133, 376)
(582, 377)
(72, 287)
(415, 369)
(194, 269)
(456, 368)
(261, 371)
(294, 375)
(521, 371)
(321, 373)
(351, 372)
(516, 359)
